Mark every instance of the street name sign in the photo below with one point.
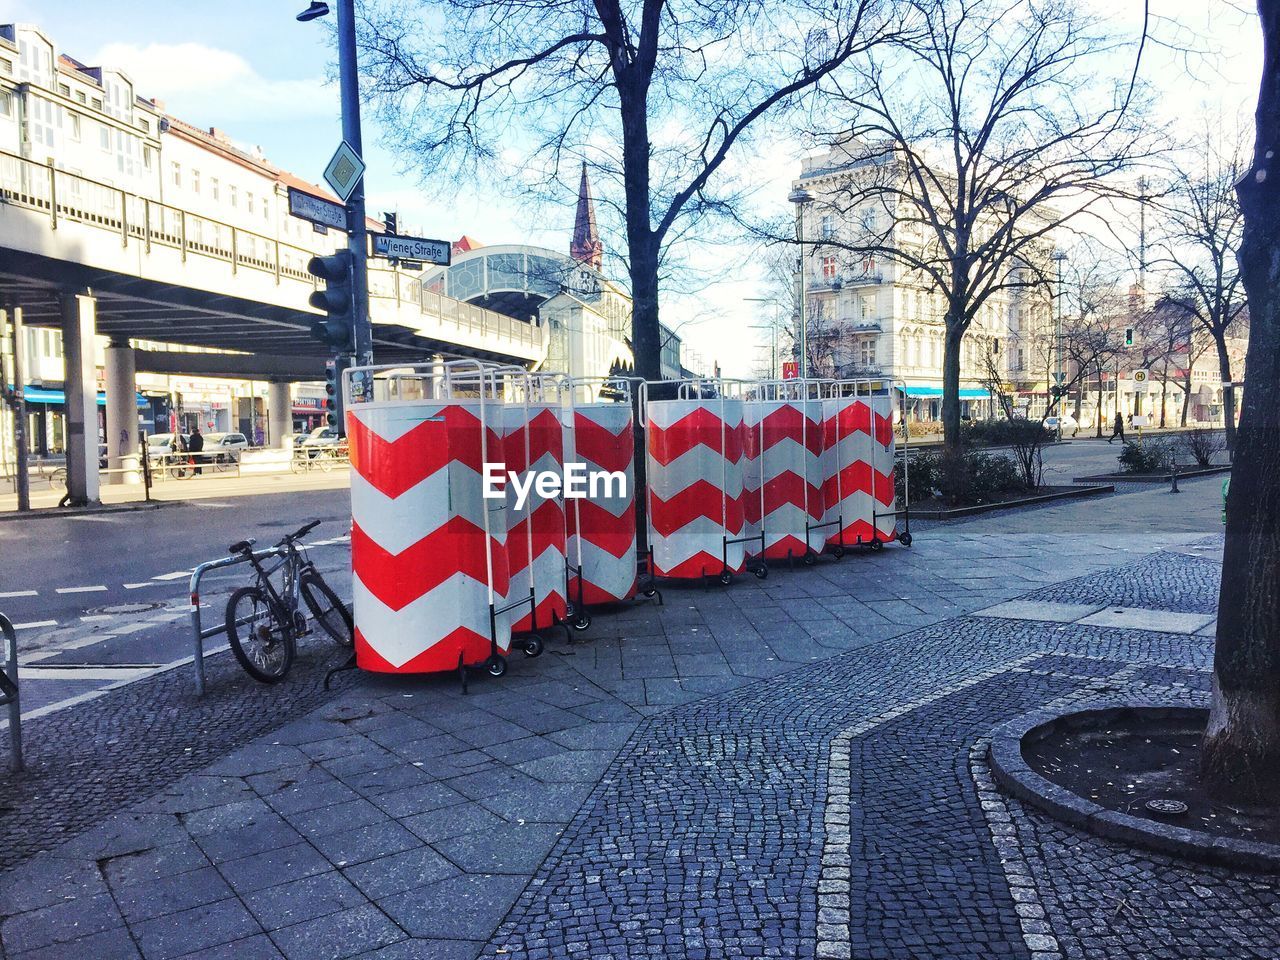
(324, 213)
(395, 247)
(344, 171)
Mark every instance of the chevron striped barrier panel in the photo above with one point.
(784, 490)
(602, 528)
(533, 442)
(696, 525)
(428, 552)
(858, 475)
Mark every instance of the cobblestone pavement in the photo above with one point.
(791, 767)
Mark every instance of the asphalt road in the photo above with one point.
(101, 599)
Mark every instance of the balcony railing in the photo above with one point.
(69, 197)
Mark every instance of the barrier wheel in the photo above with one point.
(762, 572)
(905, 538)
(810, 558)
(876, 545)
(581, 622)
(726, 578)
(496, 665)
(838, 551)
(569, 609)
(532, 647)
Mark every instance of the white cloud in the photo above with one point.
(199, 83)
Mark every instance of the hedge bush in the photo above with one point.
(968, 479)
(1153, 456)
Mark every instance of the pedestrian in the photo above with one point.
(195, 443)
(1118, 429)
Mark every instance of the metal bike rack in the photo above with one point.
(199, 633)
(9, 693)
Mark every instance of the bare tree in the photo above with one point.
(1200, 227)
(1241, 752)
(659, 93)
(974, 145)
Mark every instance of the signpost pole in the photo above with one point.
(358, 241)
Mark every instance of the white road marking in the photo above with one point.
(176, 575)
(82, 673)
(96, 519)
(97, 616)
(34, 624)
(139, 586)
(17, 593)
(95, 589)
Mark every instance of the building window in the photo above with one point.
(97, 103)
(828, 268)
(827, 227)
(6, 67)
(868, 307)
(195, 181)
(867, 353)
(144, 125)
(81, 97)
(75, 127)
(5, 108)
(232, 195)
(64, 89)
(177, 174)
(248, 200)
(146, 157)
(213, 188)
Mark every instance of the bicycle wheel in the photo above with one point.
(58, 479)
(257, 638)
(329, 611)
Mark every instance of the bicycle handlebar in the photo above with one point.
(299, 533)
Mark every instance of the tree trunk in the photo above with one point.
(951, 384)
(642, 244)
(1228, 393)
(1241, 751)
(1164, 392)
(1186, 393)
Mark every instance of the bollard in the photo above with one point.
(1173, 476)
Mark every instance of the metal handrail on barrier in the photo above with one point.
(9, 693)
(199, 633)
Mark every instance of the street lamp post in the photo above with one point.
(1059, 374)
(773, 332)
(357, 234)
(802, 198)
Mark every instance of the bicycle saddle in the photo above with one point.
(242, 546)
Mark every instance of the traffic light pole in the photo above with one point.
(358, 239)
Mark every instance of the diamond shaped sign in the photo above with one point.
(344, 171)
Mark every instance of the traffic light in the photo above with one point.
(391, 222)
(1128, 336)
(333, 371)
(337, 300)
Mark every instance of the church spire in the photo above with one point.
(586, 246)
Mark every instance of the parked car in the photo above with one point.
(320, 438)
(224, 446)
(1069, 424)
(162, 444)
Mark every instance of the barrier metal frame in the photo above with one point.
(9, 695)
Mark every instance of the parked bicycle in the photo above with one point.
(264, 623)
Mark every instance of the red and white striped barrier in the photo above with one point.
(602, 528)
(533, 442)
(425, 546)
(695, 487)
(859, 470)
(783, 498)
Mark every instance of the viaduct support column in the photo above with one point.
(122, 412)
(279, 416)
(79, 321)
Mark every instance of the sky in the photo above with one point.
(247, 67)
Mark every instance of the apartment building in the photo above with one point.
(90, 123)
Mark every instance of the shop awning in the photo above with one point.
(935, 393)
(57, 397)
